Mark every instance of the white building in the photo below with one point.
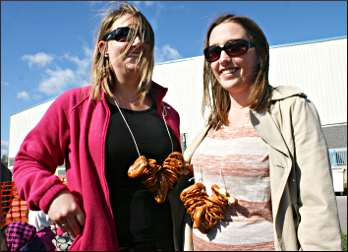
(319, 68)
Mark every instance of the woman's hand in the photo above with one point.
(66, 213)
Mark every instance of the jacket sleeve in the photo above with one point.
(319, 225)
(41, 152)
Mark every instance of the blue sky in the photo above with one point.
(46, 46)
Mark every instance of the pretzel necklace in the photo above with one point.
(160, 179)
(206, 211)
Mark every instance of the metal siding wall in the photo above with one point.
(22, 123)
(185, 90)
(320, 70)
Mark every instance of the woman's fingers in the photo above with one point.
(65, 212)
(77, 223)
(80, 217)
(74, 228)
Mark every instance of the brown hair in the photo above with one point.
(103, 77)
(215, 97)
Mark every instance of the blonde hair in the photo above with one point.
(215, 97)
(103, 77)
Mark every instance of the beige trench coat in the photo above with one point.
(304, 206)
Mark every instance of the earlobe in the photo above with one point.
(102, 47)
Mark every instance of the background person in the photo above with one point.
(265, 146)
(38, 219)
(99, 131)
(42, 223)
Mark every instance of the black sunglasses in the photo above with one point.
(233, 48)
(120, 34)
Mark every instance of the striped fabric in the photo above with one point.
(236, 158)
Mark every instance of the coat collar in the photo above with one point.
(282, 92)
(157, 92)
(265, 123)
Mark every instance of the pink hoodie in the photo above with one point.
(73, 130)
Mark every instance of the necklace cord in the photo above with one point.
(164, 114)
(222, 176)
(129, 129)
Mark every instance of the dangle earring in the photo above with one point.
(105, 58)
(107, 67)
(106, 54)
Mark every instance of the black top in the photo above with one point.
(138, 217)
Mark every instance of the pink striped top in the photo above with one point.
(236, 158)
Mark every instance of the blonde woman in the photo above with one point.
(264, 146)
(99, 131)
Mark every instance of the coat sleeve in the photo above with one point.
(319, 225)
(41, 152)
(188, 229)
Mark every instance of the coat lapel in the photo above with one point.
(195, 143)
(279, 169)
(269, 131)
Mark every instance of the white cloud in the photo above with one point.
(23, 95)
(41, 59)
(4, 147)
(166, 52)
(57, 80)
(82, 65)
(88, 52)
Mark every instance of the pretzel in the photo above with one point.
(192, 190)
(205, 211)
(197, 216)
(138, 168)
(151, 183)
(191, 209)
(162, 190)
(159, 179)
